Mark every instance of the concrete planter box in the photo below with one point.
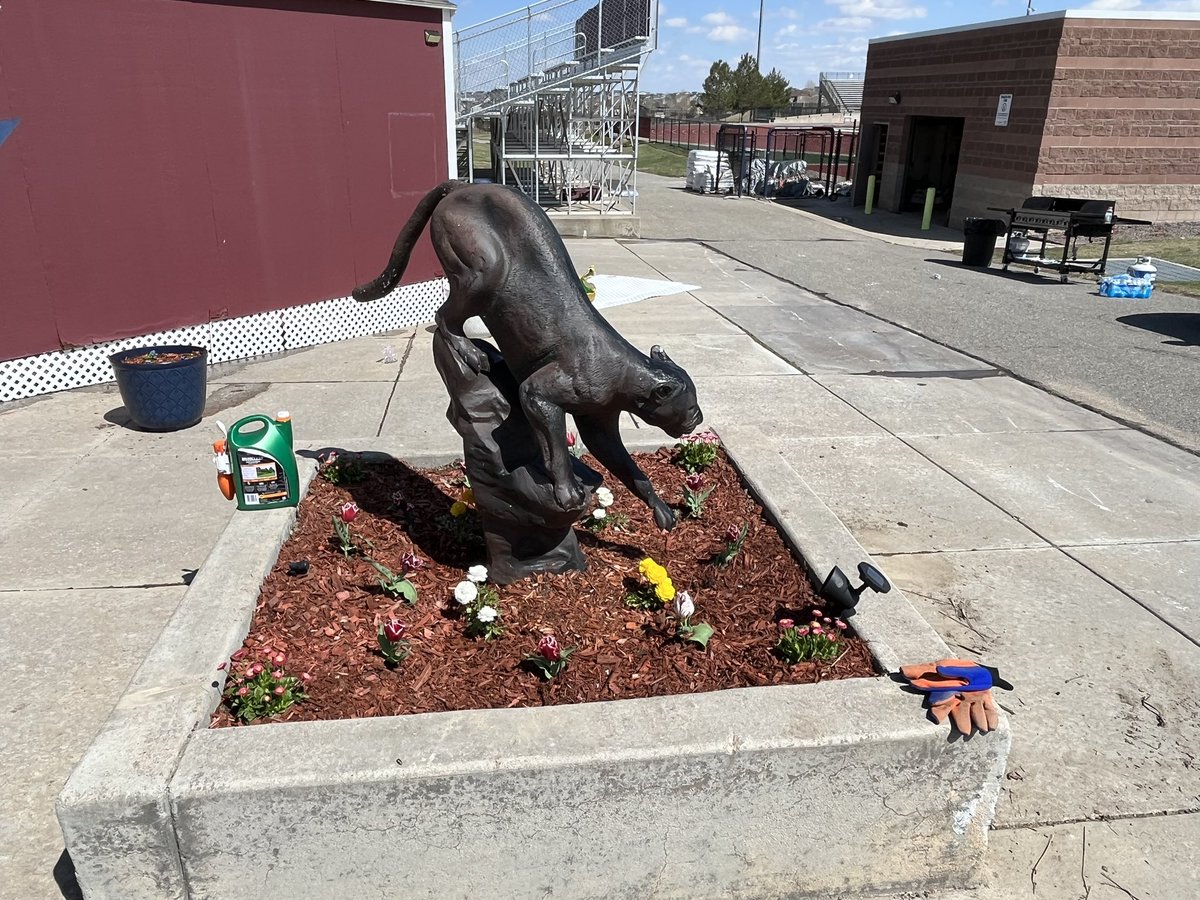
(790, 791)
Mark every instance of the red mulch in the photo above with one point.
(325, 619)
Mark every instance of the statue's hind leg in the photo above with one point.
(474, 263)
(450, 318)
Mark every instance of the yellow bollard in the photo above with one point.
(870, 195)
(928, 217)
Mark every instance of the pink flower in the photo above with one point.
(816, 629)
(243, 691)
(695, 481)
(817, 613)
(840, 624)
(254, 669)
(732, 533)
(549, 649)
(827, 620)
(268, 652)
(278, 673)
(348, 512)
(394, 630)
(279, 691)
(411, 562)
(279, 658)
(802, 631)
(331, 458)
(239, 655)
(221, 667)
(786, 623)
(305, 677)
(570, 439)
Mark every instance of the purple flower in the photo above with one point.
(411, 562)
(549, 649)
(348, 512)
(733, 533)
(394, 630)
(695, 481)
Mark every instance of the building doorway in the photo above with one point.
(870, 162)
(933, 148)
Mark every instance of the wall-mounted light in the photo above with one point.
(433, 38)
(894, 99)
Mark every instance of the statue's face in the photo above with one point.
(672, 404)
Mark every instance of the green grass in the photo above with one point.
(661, 159)
(1185, 251)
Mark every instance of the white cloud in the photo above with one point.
(845, 23)
(728, 34)
(719, 18)
(676, 22)
(879, 9)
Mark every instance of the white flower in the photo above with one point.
(684, 607)
(465, 592)
(598, 514)
(487, 614)
(477, 574)
(604, 496)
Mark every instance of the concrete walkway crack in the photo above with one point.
(412, 339)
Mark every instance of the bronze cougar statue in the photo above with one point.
(507, 264)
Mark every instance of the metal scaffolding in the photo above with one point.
(547, 99)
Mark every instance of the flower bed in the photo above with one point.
(703, 615)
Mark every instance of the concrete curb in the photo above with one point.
(690, 796)
(113, 809)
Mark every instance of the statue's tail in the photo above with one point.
(402, 249)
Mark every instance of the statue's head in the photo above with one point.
(669, 401)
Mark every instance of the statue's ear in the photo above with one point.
(659, 354)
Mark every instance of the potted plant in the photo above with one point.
(163, 388)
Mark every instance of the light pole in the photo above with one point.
(758, 54)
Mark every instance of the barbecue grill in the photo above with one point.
(1055, 222)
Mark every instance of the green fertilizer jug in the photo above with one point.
(262, 463)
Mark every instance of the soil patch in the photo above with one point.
(325, 619)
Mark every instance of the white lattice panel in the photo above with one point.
(336, 320)
(245, 336)
(229, 339)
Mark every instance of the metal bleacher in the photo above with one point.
(840, 92)
(547, 100)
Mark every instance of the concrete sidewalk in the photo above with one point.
(1040, 537)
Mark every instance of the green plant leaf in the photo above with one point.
(697, 634)
(407, 589)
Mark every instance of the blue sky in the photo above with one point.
(801, 39)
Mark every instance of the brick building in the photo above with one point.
(1077, 103)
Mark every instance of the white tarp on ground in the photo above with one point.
(611, 290)
(617, 290)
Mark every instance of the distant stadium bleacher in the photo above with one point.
(840, 92)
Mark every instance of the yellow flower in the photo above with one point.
(645, 565)
(467, 496)
(458, 508)
(665, 591)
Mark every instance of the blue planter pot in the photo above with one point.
(162, 396)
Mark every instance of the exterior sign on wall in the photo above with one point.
(1002, 109)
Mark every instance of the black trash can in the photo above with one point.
(979, 240)
(163, 387)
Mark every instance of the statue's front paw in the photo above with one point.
(664, 516)
(570, 496)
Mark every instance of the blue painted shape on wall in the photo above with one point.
(7, 126)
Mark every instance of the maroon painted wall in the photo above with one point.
(183, 160)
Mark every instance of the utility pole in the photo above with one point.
(758, 54)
